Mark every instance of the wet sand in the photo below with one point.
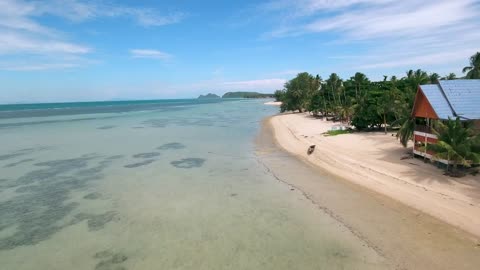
(378, 162)
(406, 237)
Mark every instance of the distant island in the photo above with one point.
(209, 95)
(246, 95)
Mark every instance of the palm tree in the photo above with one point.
(317, 83)
(417, 77)
(346, 111)
(359, 79)
(405, 133)
(407, 127)
(410, 74)
(335, 84)
(403, 108)
(456, 143)
(315, 92)
(473, 71)
(434, 77)
(387, 103)
(450, 76)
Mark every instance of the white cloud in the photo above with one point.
(15, 43)
(36, 67)
(424, 60)
(387, 33)
(77, 10)
(23, 34)
(300, 8)
(148, 17)
(148, 53)
(397, 19)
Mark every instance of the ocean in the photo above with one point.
(161, 184)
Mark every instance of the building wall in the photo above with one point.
(422, 107)
(420, 138)
(476, 125)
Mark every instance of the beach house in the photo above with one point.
(439, 102)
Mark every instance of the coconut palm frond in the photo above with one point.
(405, 133)
(456, 142)
(466, 69)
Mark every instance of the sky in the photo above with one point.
(83, 50)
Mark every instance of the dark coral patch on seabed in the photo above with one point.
(173, 145)
(114, 157)
(110, 260)
(106, 127)
(96, 222)
(188, 163)
(23, 152)
(139, 164)
(147, 155)
(18, 162)
(41, 205)
(93, 196)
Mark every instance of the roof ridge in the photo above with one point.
(446, 98)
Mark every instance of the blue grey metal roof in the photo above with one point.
(437, 100)
(463, 96)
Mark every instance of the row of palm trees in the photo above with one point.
(359, 101)
(368, 104)
(363, 103)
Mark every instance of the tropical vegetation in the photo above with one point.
(363, 103)
(457, 143)
(473, 70)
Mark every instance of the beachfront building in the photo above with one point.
(439, 102)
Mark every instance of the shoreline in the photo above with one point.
(407, 237)
(373, 160)
(273, 103)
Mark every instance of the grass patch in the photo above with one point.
(337, 132)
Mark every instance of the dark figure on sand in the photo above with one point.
(311, 149)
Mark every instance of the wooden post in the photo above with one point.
(426, 141)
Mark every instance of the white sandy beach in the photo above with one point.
(373, 160)
(273, 103)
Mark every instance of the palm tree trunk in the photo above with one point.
(325, 108)
(339, 99)
(448, 161)
(334, 97)
(385, 122)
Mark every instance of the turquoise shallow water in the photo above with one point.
(155, 185)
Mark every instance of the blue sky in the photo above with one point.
(76, 50)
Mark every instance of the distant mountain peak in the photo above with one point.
(209, 95)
